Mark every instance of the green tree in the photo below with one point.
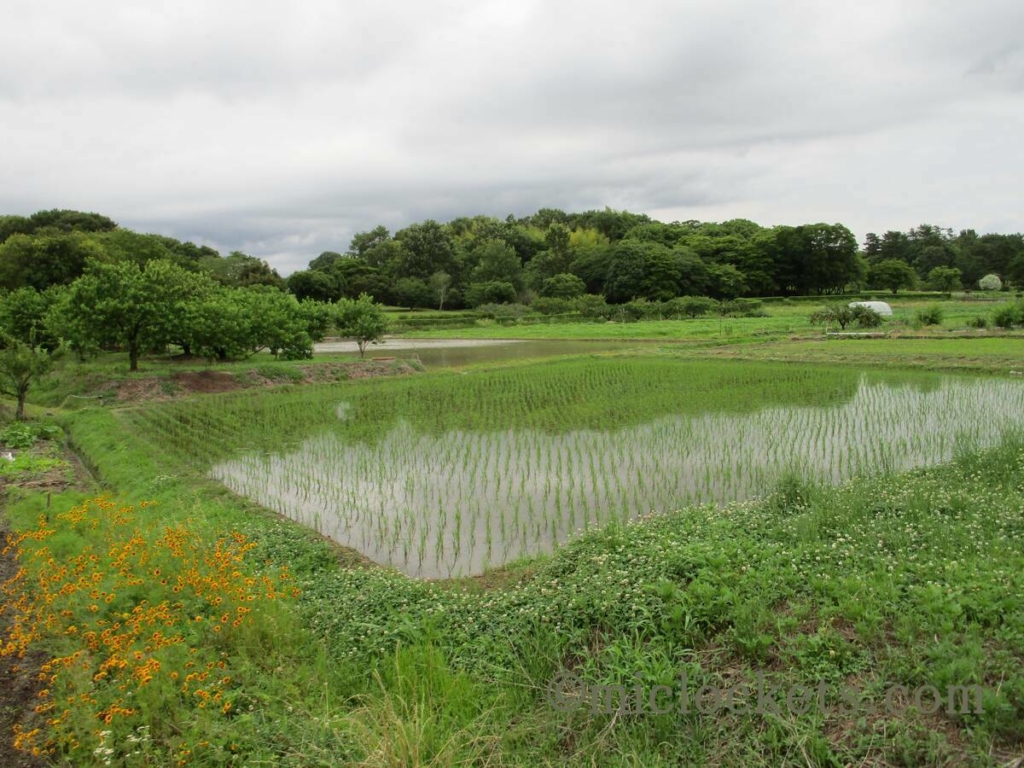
(313, 284)
(22, 364)
(440, 284)
(361, 320)
(563, 286)
(945, 279)
(496, 261)
(426, 248)
(130, 305)
(39, 261)
(412, 292)
(893, 274)
(492, 292)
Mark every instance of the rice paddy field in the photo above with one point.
(450, 475)
(446, 568)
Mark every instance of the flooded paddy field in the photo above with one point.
(446, 475)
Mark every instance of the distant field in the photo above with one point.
(783, 319)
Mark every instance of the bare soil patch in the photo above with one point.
(204, 382)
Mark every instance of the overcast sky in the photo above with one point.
(280, 129)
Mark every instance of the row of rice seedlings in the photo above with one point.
(458, 501)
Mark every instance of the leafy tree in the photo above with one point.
(646, 270)
(126, 304)
(412, 292)
(313, 284)
(362, 320)
(326, 260)
(493, 292)
(440, 284)
(893, 274)
(23, 316)
(239, 270)
(426, 248)
(496, 261)
(945, 279)
(39, 261)
(364, 244)
(563, 286)
(22, 364)
(726, 281)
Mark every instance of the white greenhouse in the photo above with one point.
(878, 306)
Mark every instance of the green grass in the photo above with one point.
(897, 580)
(996, 354)
(906, 580)
(783, 319)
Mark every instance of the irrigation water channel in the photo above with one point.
(457, 503)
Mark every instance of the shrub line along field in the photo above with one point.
(841, 566)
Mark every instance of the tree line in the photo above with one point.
(623, 257)
(468, 262)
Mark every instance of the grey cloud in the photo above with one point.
(283, 128)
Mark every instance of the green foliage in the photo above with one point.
(1009, 315)
(412, 292)
(692, 306)
(946, 279)
(21, 365)
(132, 306)
(844, 315)
(563, 286)
(593, 307)
(361, 320)
(552, 306)
(42, 260)
(893, 274)
(931, 315)
(980, 322)
(20, 435)
(494, 292)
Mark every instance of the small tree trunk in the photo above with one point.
(362, 348)
(20, 413)
(133, 357)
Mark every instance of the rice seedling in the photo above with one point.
(449, 475)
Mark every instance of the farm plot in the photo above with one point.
(450, 475)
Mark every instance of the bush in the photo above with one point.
(552, 306)
(593, 307)
(502, 311)
(978, 322)
(843, 315)
(929, 315)
(742, 308)
(1009, 315)
(990, 283)
(691, 306)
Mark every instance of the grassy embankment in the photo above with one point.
(903, 580)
